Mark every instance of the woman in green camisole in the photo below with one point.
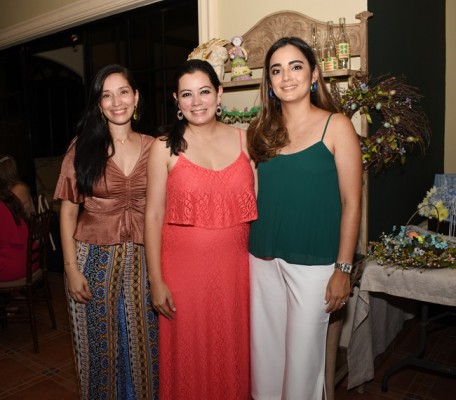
(309, 206)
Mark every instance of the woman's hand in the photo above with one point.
(78, 287)
(162, 300)
(337, 291)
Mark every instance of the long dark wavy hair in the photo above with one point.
(267, 134)
(174, 135)
(94, 145)
(12, 202)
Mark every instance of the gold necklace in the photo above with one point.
(122, 141)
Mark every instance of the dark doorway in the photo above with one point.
(56, 99)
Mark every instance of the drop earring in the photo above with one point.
(313, 87)
(135, 114)
(272, 94)
(180, 115)
(103, 118)
(218, 110)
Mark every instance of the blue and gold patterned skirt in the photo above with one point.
(115, 335)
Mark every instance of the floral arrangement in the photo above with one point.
(412, 247)
(403, 123)
(437, 203)
(440, 202)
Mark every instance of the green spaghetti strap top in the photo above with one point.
(299, 207)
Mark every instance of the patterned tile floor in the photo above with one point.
(50, 374)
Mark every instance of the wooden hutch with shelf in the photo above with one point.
(264, 33)
(257, 41)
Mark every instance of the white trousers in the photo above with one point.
(288, 329)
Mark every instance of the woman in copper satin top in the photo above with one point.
(102, 186)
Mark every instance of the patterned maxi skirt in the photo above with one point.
(115, 335)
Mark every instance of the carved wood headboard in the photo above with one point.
(268, 30)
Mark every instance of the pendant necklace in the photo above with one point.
(122, 141)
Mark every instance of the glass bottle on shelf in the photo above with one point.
(316, 46)
(343, 46)
(329, 50)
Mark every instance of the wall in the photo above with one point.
(450, 92)
(247, 13)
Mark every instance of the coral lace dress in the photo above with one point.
(204, 351)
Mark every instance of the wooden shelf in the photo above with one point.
(246, 84)
(339, 73)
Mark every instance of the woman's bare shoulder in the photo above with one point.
(147, 138)
(340, 123)
(159, 148)
(339, 118)
(20, 188)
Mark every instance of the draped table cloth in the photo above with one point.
(387, 297)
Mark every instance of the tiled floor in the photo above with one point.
(412, 383)
(50, 375)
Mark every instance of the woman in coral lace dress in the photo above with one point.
(200, 200)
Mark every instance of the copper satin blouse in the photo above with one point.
(115, 212)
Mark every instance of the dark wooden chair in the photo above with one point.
(25, 290)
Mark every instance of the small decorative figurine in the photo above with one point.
(238, 55)
(214, 52)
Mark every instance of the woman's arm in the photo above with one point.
(252, 163)
(347, 154)
(157, 176)
(349, 170)
(78, 286)
(22, 192)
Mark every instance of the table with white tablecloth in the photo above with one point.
(387, 297)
